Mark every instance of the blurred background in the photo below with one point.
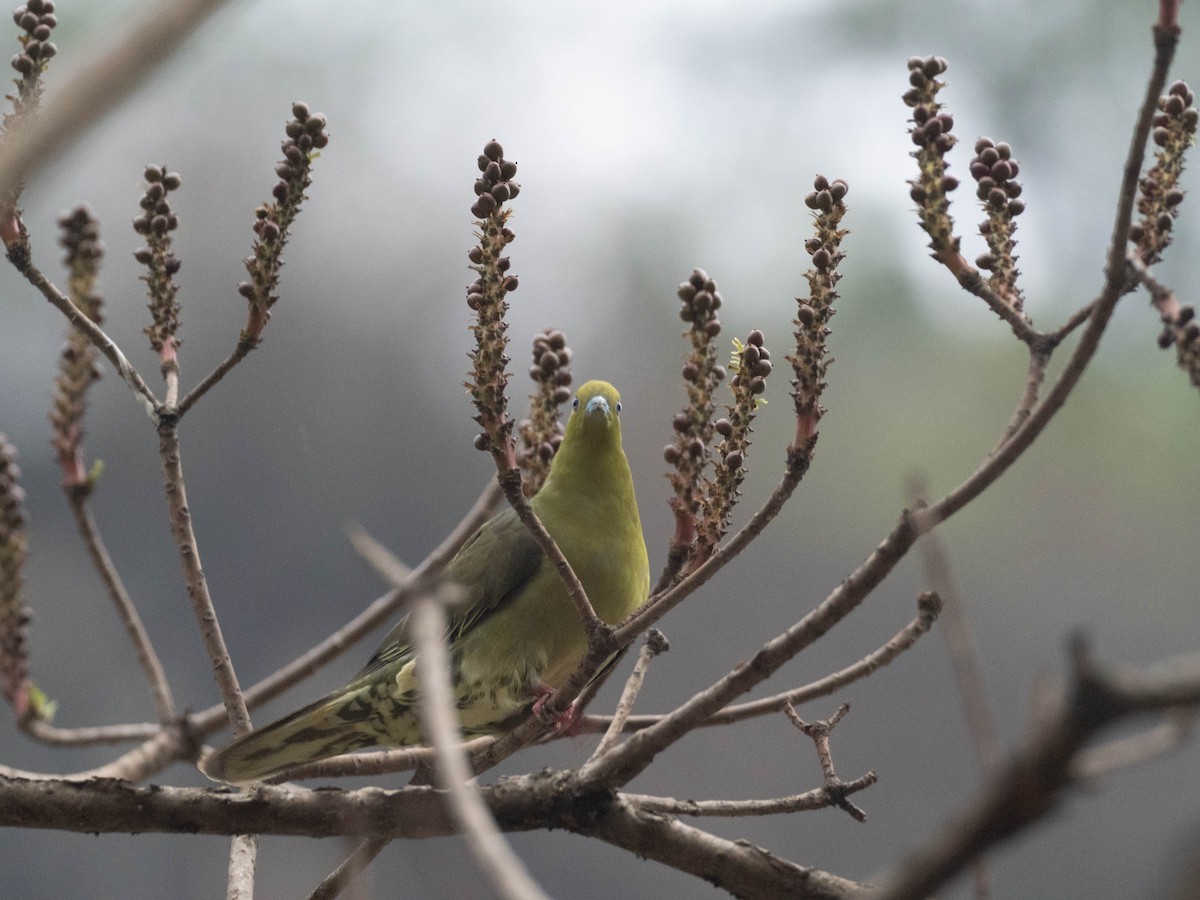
(652, 137)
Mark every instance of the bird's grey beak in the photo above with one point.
(596, 405)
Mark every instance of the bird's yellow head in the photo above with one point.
(590, 458)
(595, 412)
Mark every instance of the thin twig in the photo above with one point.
(960, 645)
(375, 614)
(592, 689)
(973, 283)
(385, 563)
(244, 847)
(818, 798)
(244, 345)
(197, 585)
(1135, 749)
(627, 760)
(96, 734)
(144, 649)
(349, 869)
(1036, 375)
(166, 746)
(1077, 318)
(738, 867)
(655, 644)
(1031, 783)
(95, 333)
(819, 732)
(437, 705)
(243, 852)
(929, 606)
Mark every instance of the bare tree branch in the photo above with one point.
(197, 585)
(818, 798)
(350, 869)
(735, 866)
(929, 606)
(147, 658)
(385, 563)
(1031, 784)
(1135, 749)
(60, 301)
(503, 869)
(655, 644)
(819, 731)
(960, 645)
(243, 851)
(97, 734)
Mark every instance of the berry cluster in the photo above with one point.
(931, 132)
(37, 21)
(156, 223)
(36, 18)
(14, 614)
(995, 173)
(809, 363)
(751, 364)
(688, 451)
(79, 366)
(486, 298)
(495, 186)
(1159, 194)
(305, 138)
(542, 432)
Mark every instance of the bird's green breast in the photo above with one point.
(537, 636)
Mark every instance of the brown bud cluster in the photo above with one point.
(1182, 329)
(1159, 196)
(809, 361)
(931, 132)
(305, 137)
(14, 614)
(751, 364)
(486, 296)
(79, 364)
(495, 186)
(156, 222)
(995, 173)
(37, 20)
(541, 433)
(688, 451)
(81, 239)
(699, 301)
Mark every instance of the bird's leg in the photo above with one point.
(566, 722)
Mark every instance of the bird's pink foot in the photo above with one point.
(566, 722)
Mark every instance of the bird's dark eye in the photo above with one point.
(575, 403)
(618, 406)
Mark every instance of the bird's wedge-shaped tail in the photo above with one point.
(344, 721)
